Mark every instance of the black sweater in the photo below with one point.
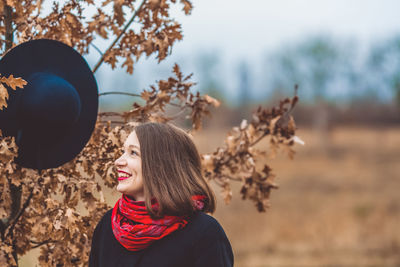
(201, 243)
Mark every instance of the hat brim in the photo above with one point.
(46, 55)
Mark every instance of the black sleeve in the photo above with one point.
(213, 249)
(94, 251)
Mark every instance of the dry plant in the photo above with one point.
(57, 209)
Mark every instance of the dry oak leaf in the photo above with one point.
(14, 83)
(187, 7)
(7, 151)
(129, 64)
(208, 162)
(212, 100)
(3, 96)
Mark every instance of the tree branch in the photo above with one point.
(38, 244)
(118, 37)
(102, 114)
(9, 29)
(233, 178)
(2, 228)
(119, 93)
(21, 211)
(98, 50)
(176, 115)
(118, 122)
(259, 139)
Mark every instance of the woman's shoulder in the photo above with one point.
(106, 219)
(107, 214)
(205, 220)
(207, 225)
(212, 246)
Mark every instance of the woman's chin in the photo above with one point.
(121, 188)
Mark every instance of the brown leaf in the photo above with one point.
(187, 7)
(118, 13)
(227, 193)
(212, 100)
(3, 96)
(111, 58)
(14, 83)
(129, 64)
(208, 162)
(177, 71)
(71, 18)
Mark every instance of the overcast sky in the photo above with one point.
(246, 30)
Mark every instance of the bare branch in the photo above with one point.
(259, 139)
(118, 37)
(119, 93)
(105, 114)
(98, 49)
(21, 211)
(9, 36)
(38, 244)
(118, 122)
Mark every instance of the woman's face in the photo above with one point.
(129, 166)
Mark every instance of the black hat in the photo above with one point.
(54, 115)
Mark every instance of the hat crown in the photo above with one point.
(49, 101)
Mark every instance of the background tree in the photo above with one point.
(319, 66)
(208, 66)
(58, 208)
(244, 84)
(316, 64)
(384, 66)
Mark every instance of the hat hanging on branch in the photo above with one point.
(54, 115)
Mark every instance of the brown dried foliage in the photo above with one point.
(174, 92)
(239, 159)
(11, 82)
(58, 209)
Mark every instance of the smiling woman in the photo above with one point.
(161, 218)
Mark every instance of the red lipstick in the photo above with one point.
(125, 175)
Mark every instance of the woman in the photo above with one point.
(160, 219)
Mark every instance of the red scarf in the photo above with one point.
(135, 229)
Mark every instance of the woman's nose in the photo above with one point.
(120, 161)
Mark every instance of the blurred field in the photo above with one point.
(338, 203)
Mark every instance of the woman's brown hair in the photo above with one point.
(171, 170)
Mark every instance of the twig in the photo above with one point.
(259, 139)
(110, 114)
(176, 105)
(38, 244)
(119, 93)
(119, 122)
(21, 211)
(118, 37)
(2, 228)
(176, 115)
(9, 36)
(98, 49)
(233, 178)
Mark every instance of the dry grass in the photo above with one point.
(338, 203)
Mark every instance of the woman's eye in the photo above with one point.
(133, 152)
